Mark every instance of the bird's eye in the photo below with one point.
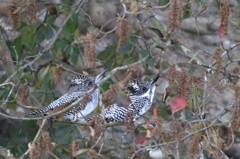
(144, 88)
(90, 83)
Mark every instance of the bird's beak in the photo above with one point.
(98, 77)
(155, 79)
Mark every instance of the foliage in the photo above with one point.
(50, 42)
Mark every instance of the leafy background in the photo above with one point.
(58, 56)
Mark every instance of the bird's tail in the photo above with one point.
(33, 113)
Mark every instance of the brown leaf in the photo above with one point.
(155, 111)
(52, 9)
(140, 138)
(177, 103)
(221, 31)
(119, 86)
(122, 99)
(63, 59)
(92, 130)
(151, 133)
(238, 21)
(7, 56)
(145, 125)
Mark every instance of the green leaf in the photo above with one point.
(144, 52)
(105, 86)
(134, 39)
(180, 65)
(188, 114)
(67, 1)
(2, 92)
(77, 32)
(28, 38)
(27, 76)
(163, 112)
(151, 62)
(70, 26)
(126, 48)
(74, 58)
(156, 24)
(67, 134)
(47, 81)
(23, 26)
(187, 13)
(39, 35)
(171, 156)
(18, 46)
(11, 105)
(47, 58)
(37, 95)
(56, 93)
(126, 59)
(135, 55)
(26, 124)
(48, 32)
(165, 65)
(163, 3)
(52, 19)
(68, 51)
(197, 1)
(108, 63)
(108, 53)
(60, 43)
(42, 73)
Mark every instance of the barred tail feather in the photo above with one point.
(41, 111)
(33, 113)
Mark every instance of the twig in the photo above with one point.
(90, 21)
(99, 152)
(148, 9)
(53, 155)
(9, 94)
(99, 138)
(223, 54)
(73, 72)
(124, 68)
(51, 115)
(3, 84)
(223, 112)
(203, 9)
(100, 31)
(80, 99)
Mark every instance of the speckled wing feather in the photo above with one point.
(141, 95)
(114, 113)
(78, 88)
(66, 99)
(84, 108)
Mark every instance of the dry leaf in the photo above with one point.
(177, 103)
(221, 31)
(140, 138)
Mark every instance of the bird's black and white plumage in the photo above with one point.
(141, 94)
(79, 87)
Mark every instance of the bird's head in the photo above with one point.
(142, 88)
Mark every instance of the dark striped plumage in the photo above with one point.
(79, 87)
(141, 95)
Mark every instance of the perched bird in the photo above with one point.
(78, 88)
(141, 95)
